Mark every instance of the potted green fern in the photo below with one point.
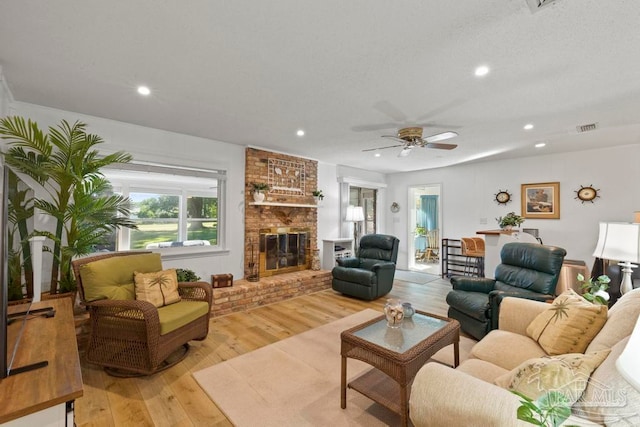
(258, 191)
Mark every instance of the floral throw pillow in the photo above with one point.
(159, 288)
(568, 325)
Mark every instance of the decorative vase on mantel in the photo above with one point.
(258, 196)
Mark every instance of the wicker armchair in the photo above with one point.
(132, 337)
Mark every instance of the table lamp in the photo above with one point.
(620, 241)
(354, 214)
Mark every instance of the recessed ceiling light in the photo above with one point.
(144, 90)
(528, 126)
(482, 70)
(300, 132)
(377, 155)
(540, 145)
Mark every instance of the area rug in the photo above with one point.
(296, 382)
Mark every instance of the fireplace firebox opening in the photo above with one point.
(284, 250)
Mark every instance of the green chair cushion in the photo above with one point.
(174, 316)
(112, 278)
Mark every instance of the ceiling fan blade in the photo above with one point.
(405, 152)
(441, 146)
(382, 148)
(440, 136)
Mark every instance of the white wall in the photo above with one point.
(154, 145)
(468, 196)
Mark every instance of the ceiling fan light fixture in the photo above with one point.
(481, 71)
(405, 152)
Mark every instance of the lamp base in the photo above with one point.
(626, 284)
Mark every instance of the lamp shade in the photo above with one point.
(619, 241)
(354, 213)
(627, 364)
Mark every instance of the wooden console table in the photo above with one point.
(43, 396)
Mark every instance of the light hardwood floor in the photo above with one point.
(173, 398)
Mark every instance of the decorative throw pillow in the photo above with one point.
(567, 374)
(568, 325)
(159, 288)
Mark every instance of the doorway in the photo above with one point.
(424, 230)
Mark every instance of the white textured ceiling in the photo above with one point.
(347, 72)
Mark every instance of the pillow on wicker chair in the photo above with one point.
(568, 325)
(159, 288)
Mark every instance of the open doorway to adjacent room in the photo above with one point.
(424, 230)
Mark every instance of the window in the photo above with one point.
(172, 207)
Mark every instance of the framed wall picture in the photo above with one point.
(541, 201)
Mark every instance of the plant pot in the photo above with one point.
(508, 227)
(258, 196)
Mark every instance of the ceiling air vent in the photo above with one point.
(536, 5)
(587, 128)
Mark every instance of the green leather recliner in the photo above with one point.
(528, 270)
(369, 275)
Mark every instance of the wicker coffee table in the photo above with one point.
(397, 352)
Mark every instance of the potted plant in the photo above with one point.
(186, 275)
(258, 188)
(595, 290)
(66, 165)
(509, 221)
(317, 194)
(420, 231)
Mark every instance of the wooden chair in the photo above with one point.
(432, 251)
(132, 337)
(473, 250)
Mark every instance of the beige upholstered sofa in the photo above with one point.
(467, 396)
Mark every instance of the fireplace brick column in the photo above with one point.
(257, 217)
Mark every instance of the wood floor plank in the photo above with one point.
(173, 397)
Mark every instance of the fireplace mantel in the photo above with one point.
(291, 205)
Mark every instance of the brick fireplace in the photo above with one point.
(289, 205)
(279, 234)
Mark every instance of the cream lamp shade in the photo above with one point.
(620, 241)
(354, 214)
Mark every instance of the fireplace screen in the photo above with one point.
(283, 250)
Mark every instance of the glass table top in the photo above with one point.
(412, 330)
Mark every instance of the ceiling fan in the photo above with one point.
(411, 137)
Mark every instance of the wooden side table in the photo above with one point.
(44, 394)
(396, 354)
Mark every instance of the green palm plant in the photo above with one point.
(19, 211)
(65, 163)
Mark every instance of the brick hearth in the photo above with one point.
(244, 295)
